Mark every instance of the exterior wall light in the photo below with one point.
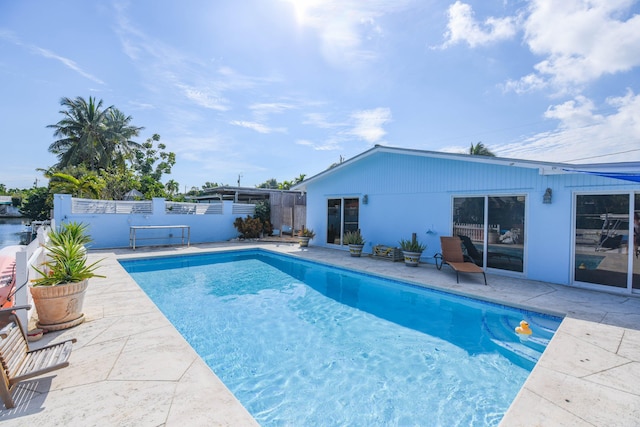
(546, 198)
(365, 199)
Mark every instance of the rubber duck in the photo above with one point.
(523, 329)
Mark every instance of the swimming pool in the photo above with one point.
(301, 343)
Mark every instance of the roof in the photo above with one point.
(241, 193)
(626, 170)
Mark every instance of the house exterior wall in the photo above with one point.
(413, 193)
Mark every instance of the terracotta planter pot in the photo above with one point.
(59, 307)
(355, 250)
(411, 259)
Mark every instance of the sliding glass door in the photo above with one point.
(491, 229)
(606, 249)
(342, 216)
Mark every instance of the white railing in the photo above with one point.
(473, 231)
(91, 206)
(33, 255)
(243, 209)
(182, 208)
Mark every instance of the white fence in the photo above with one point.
(109, 221)
(32, 255)
(474, 231)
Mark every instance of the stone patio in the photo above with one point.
(130, 367)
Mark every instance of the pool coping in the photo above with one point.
(140, 371)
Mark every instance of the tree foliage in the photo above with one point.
(479, 149)
(37, 203)
(91, 135)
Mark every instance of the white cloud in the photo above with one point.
(46, 53)
(270, 108)
(204, 98)
(258, 127)
(320, 120)
(330, 144)
(464, 28)
(580, 41)
(368, 124)
(344, 26)
(584, 134)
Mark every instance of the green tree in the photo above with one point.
(480, 150)
(153, 162)
(89, 185)
(172, 187)
(37, 204)
(119, 145)
(270, 183)
(117, 182)
(92, 136)
(150, 163)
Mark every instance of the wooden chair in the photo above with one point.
(452, 256)
(19, 362)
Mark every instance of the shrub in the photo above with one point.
(249, 228)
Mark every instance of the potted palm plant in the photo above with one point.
(412, 250)
(304, 236)
(58, 294)
(355, 241)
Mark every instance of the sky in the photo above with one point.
(245, 91)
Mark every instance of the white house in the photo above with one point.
(554, 222)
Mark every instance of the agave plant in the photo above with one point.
(75, 231)
(66, 258)
(412, 245)
(353, 238)
(307, 232)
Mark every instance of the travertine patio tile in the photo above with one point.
(532, 410)
(110, 403)
(595, 403)
(85, 369)
(573, 356)
(197, 392)
(604, 336)
(587, 377)
(158, 354)
(630, 345)
(625, 378)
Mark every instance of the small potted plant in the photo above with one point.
(58, 294)
(412, 250)
(355, 241)
(304, 236)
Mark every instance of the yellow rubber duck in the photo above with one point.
(523, 329)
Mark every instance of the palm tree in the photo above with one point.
(480, 150)
(82, 130)
(87, 186)
(119, 146)
(92, 136)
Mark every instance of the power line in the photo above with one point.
(601, 155)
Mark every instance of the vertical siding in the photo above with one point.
(411, 193)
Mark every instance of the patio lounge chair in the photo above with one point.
(452, 256)
(476, 255)
(19, 362)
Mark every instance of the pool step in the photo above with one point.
(501, 332)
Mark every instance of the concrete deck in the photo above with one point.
(130, 367)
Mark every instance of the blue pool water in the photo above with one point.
(301, 343)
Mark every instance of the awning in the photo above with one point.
(624, 176)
